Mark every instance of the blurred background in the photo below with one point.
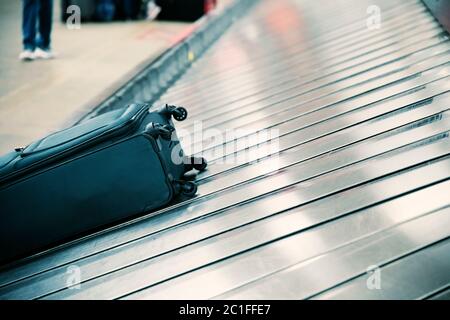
(96, 53)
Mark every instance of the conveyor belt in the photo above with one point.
(329, 156)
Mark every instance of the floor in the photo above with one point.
(43, 96)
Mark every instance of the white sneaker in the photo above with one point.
(152, 10)
(43, 54)
(26, 55)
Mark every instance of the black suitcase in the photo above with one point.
(107, 169)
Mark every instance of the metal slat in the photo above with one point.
(144, 276)
(294, 120)
(305, 65)
(303, 52)
(314, 81)
(320, 41)
(349, 156)
(320, 271)
(242, 116)
(307, 60)
(409, 278)
(153, 271)
(312, 77)
(306, 122)
(308, 135)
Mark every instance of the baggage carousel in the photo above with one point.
(327, 135)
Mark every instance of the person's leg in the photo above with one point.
(29, 17)
(45, 24)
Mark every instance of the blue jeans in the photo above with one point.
(36, 20)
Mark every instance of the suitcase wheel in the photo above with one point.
(187, 188)
(180, 114)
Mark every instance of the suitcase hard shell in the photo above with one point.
(102, 171)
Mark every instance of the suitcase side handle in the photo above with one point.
(157, 130)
